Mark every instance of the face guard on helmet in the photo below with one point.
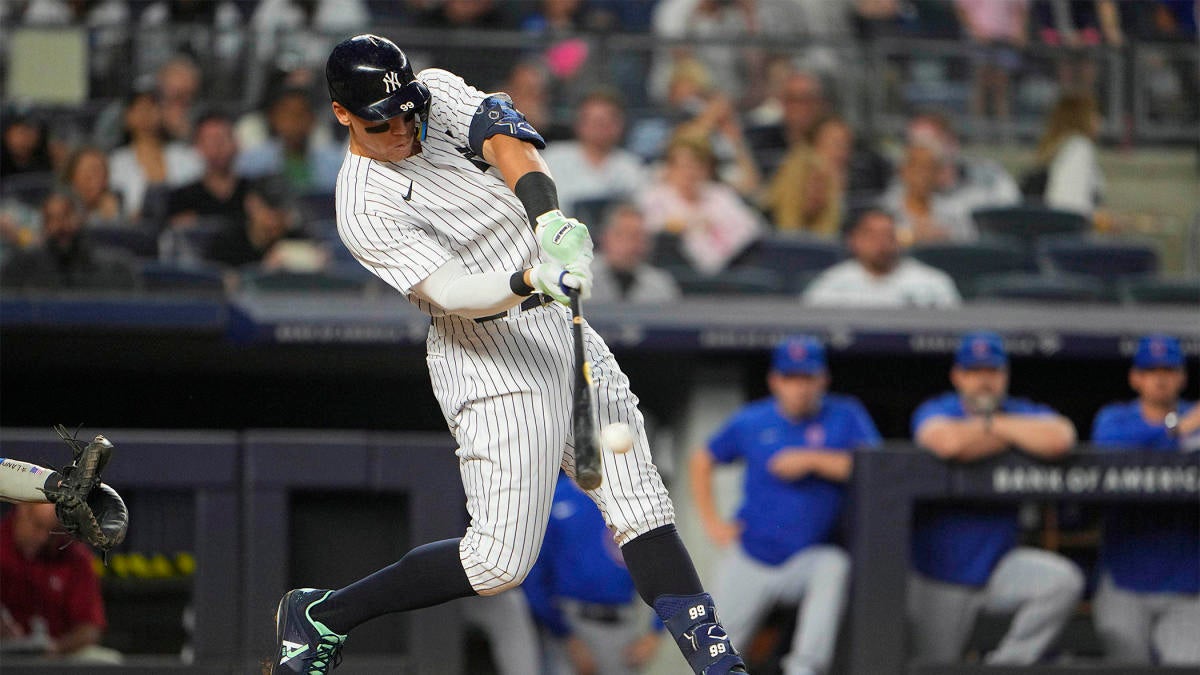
(372, 78)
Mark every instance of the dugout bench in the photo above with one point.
(886, 484)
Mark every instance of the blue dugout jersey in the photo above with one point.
(781, 518)
(1147, 548)
(962, 544)
(579, 560)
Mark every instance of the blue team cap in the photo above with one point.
(983, 349)
(799, 354)
(1158, 351)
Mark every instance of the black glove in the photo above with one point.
(87, 509)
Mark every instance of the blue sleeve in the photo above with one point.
(926, 411)
(1037, 409)
(724, 444)
(496, 115)
(539, 589)
(1107, 430)
(865, 435)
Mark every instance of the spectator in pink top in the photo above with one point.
(713, 223)
(998, 29)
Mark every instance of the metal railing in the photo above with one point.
(1148, 91)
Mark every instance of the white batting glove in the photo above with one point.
(582, 270)
(553, 280)
(564, 239)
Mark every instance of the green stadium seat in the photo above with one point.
(966, 263)
(1161, 291)
(1027, 223)
(1042, 288)
(1107, 259)
(746, 280)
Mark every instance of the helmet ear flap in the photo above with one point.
(422, 111)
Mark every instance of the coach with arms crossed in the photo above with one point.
(966, 557)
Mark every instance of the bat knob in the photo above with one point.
(588, 479)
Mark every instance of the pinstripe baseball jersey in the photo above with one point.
(504, 385)
(403, 220)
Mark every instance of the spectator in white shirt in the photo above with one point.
(973, 182)
(594, 166)
(621, 273)
(922, 212)
(878, 274)
(148, 158)
(1067, 154)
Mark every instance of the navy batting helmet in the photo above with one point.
(373, 79)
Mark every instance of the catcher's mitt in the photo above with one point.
(87, 509)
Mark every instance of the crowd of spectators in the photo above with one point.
(746, 144)
(740, 147)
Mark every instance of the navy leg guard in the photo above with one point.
(692, 620)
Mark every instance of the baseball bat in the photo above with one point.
(583, 418)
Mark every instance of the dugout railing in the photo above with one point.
(887, 484)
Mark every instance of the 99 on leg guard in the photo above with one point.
(692, 621)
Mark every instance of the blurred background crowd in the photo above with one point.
(843, 153)
(1025, 149)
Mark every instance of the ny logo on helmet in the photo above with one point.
(391, 81)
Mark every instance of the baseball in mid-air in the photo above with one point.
(617, 437)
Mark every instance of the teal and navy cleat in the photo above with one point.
(304, 645)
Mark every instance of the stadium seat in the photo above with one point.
(256, 279)
(136, 242)
(744, 280)
(966, 263)
(28, 188)
(1104, 259)
(1160, 291)
(187, 245)
(796, 259)
(160, 277)
(1027, 223)
(1041, 287)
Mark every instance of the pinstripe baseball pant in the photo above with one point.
(504, 387)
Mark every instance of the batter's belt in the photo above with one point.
(532, 302)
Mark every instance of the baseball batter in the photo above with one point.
(437, 196)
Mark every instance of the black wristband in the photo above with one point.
(516, 284)
(537, 193)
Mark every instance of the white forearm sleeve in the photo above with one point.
(20, 481)
(453, 289)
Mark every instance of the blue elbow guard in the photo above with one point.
(496, 115)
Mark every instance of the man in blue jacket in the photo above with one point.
(797, 446)
(965, 558)
(1147, 606)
